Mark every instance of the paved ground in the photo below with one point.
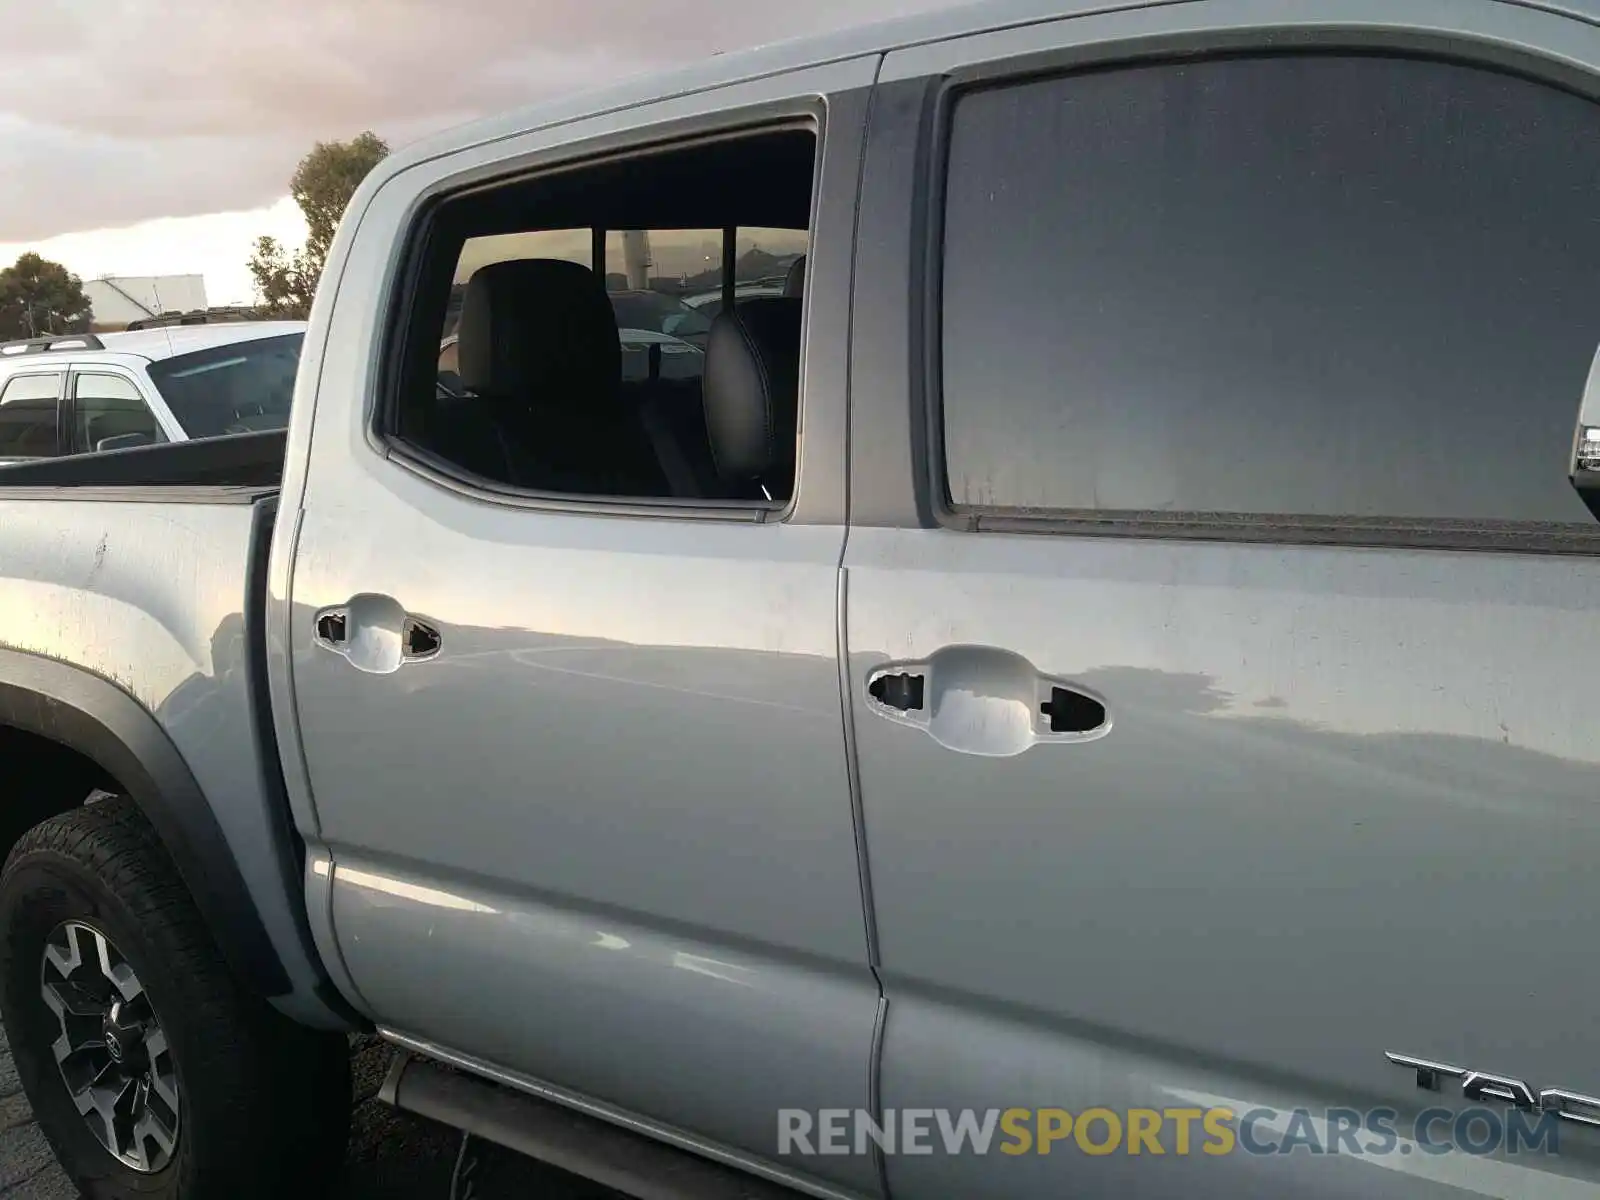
(393, 1156)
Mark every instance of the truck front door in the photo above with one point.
(1222, 703)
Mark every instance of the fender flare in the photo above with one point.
(92, 716)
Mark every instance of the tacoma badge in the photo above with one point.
(1481, 1086)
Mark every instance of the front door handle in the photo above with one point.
(986, 701)
(375, 634)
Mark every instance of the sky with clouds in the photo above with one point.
(158, 136)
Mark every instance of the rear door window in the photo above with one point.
(109, 409)
(1331, 286)
(28, 421)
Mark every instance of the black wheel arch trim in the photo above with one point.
(89, 714)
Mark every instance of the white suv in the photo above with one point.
(75, 393)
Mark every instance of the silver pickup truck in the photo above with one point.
(1083, 694)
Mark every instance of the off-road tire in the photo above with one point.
(264, 1103)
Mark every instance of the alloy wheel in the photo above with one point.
(112, 1052)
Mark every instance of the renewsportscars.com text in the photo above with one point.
(1162, 1131)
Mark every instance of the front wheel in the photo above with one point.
(151, 1070)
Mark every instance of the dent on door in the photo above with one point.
(987, 701)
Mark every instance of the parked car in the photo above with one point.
(709, 303)
(1135, 748)
(658, 313)
(73, 393)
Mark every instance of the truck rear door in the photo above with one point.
(1219, 611)
(578, 794)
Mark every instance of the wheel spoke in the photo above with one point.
(76, 1038)
(84, 1066)
(125, 1115)
(65, 956)
(100, 948)
(152, 1128)
(106, 1082)
(127, 983)
(81, 1021)
(163, 1079)
(137, 1008)
(105, 1104)
(67, 999)
(116, 971)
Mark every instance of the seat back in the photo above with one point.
(752, 396)
(539, 347)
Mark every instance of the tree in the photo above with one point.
(322, 185)
(285, 281)
(39, 297)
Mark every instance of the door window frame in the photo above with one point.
(898, 473)
(69, 404)
(63, 389)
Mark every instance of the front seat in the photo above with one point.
(752, 396)
(539, 348)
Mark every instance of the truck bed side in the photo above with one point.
(131, 632)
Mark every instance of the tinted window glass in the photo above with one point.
(763, 260)
(569, 245)
(658, 313)
(650, 273)
(109, 406)
(556, 341)
(1295, 285)
(242, 387)
(666, 287)
(28, 416)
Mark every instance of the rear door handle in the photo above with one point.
(901, 691)
(375, 634)
(987, 701)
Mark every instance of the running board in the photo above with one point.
(607, 1154)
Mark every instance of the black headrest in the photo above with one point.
(794, 283)
(538, 328)
(752, 391)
